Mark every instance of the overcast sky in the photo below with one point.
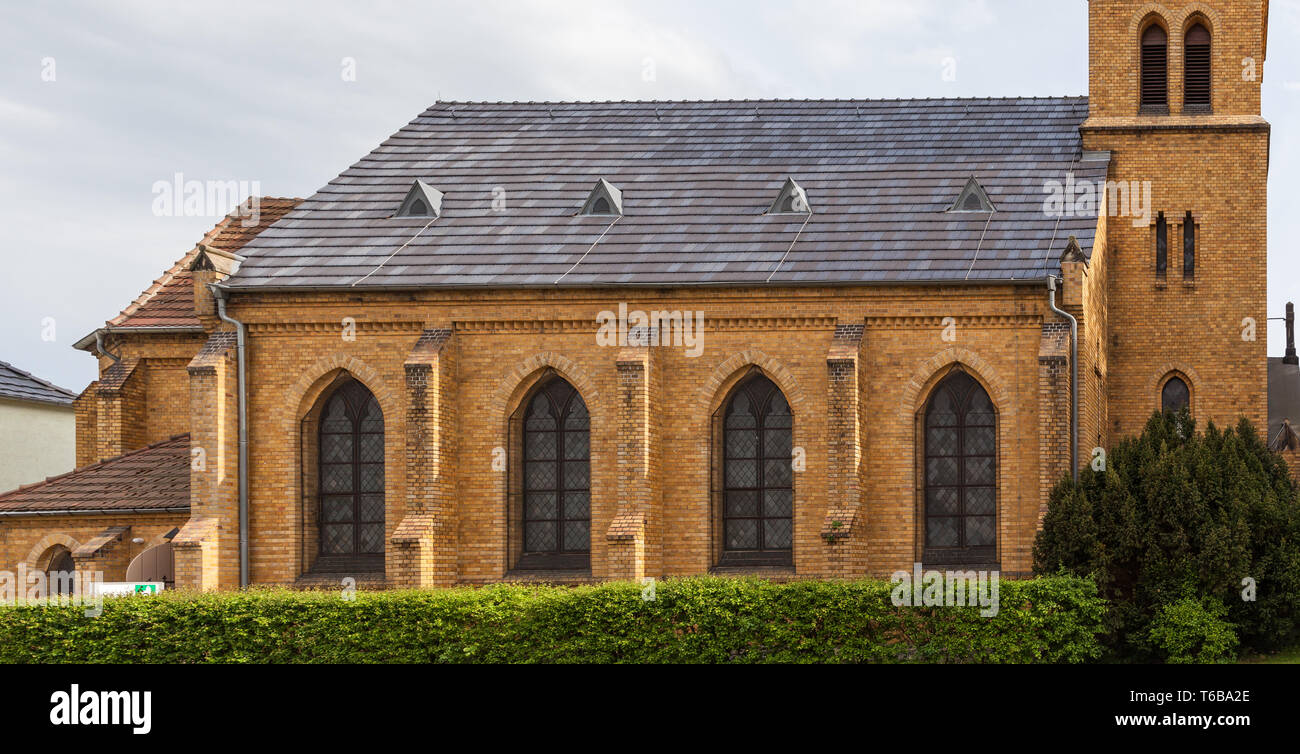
(256, 91)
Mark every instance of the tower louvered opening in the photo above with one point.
(1155, 70)
(1196, 69)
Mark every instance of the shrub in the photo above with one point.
(1177, 512)
(709, 620)
(1192, 630)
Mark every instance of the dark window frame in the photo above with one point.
(962, 389)
(759, 392)
(1172, 381)
(1189, 246)
(355, 399)
(562, 401)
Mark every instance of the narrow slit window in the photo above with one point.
(1196, 69)
(1155, 70)
(1162, 246)
(1189, 247)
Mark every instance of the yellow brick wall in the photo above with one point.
(28, 539)
(503, 339)
(1215, 166)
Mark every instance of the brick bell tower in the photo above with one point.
(1174, 96)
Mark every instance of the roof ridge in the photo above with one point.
(990, 98)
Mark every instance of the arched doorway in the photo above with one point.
(60, 575)
(351, 480)
(960, 474)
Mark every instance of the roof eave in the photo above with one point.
(1040, 280)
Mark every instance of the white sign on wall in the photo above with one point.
(129, 588)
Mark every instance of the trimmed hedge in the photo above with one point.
(710, 620)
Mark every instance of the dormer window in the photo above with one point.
(792, 200)
(422, 200)
(605, 199)
(973, 198)
(1155, 71)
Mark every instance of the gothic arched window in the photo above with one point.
(557, 479)
(758, 479)
(960, 473)
(352, 474)
(1175, 395)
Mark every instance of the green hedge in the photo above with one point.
(690, 620)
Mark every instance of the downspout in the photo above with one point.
(1074, 376)
(99, 346)
(220, 297)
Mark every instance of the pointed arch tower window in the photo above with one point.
(1154, 90)
(1196, 70)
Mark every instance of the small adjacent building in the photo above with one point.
(37, 428)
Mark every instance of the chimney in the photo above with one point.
(1290, 357)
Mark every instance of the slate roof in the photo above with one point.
(15, 384)
(697, 179)
(169, 301)
(156, 477)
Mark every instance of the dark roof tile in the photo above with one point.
(155, 477)
(696, 178)
(15, 384)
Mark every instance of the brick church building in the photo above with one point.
(581, 341)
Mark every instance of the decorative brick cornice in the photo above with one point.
(335, 326)
(906, 322)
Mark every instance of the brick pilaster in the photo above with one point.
(1053, 409)
(424, 544)
(841, 531)
(206, 550)
(634, 549)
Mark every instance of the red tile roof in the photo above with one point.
(169, 302)
(155, 477)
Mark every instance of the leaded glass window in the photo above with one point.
(758, 479)
(1175, 396)
(556, 479)
(351, 473)
(960, 473)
